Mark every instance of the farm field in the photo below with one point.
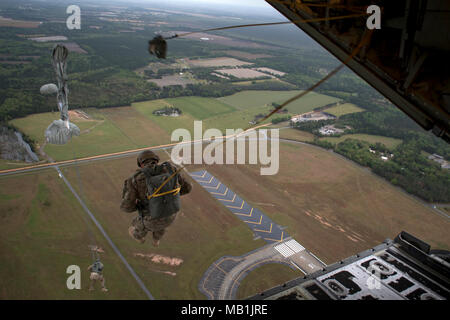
(8, 22)
(271, 71)
(248, 99)
(123, 128)
(391, 143)
(344, 108)
(172, 80)
(10, 164)
(216, 62)
(42, 233)
(297, 135)
(243, 73)
(329, 205)
(202, 233)
(201, 108)
(246, 55)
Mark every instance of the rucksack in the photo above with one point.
(162, 201)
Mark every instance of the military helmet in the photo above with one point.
(146, 155)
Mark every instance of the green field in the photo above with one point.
(169, 124)
(35, 125)
(297, 135)
(42, 233)
(10, 164)
(391, 143)
(124, 128)
(201, 108)
(345, 108)
(265, 277)
(42, 221)
(249, 99)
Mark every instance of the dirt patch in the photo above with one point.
(78, 115)
(160, 259)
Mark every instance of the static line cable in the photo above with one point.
(158, 45)
(364, 41)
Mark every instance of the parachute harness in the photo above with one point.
(173, 191)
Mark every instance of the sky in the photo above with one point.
(259, 7)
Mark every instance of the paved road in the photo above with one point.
(111, 243)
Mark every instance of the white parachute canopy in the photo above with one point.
(60, 132)
(49, 89)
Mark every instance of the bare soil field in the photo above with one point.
(49, 38)
(8, 22)
(243, 73)
(217, 62)
(271, 71)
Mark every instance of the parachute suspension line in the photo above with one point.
(366, 37)
(364, 41)
(158, 45)
(94, 246)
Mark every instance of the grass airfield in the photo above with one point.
(332, 207)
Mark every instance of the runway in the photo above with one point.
(261, 225)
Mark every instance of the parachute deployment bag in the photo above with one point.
(162, 201)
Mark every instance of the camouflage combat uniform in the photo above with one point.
(96, 270)
(134, 196)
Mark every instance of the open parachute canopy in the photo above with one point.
(60, 131)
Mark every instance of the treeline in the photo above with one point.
(408, 168)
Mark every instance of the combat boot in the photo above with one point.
(131, 233)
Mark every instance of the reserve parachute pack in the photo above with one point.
(97, 267)
(163, 190)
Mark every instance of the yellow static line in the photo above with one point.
(51, 164)
(234, 197)
(220, 194)
(246, 215)
(270, 230)
(260, 220)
